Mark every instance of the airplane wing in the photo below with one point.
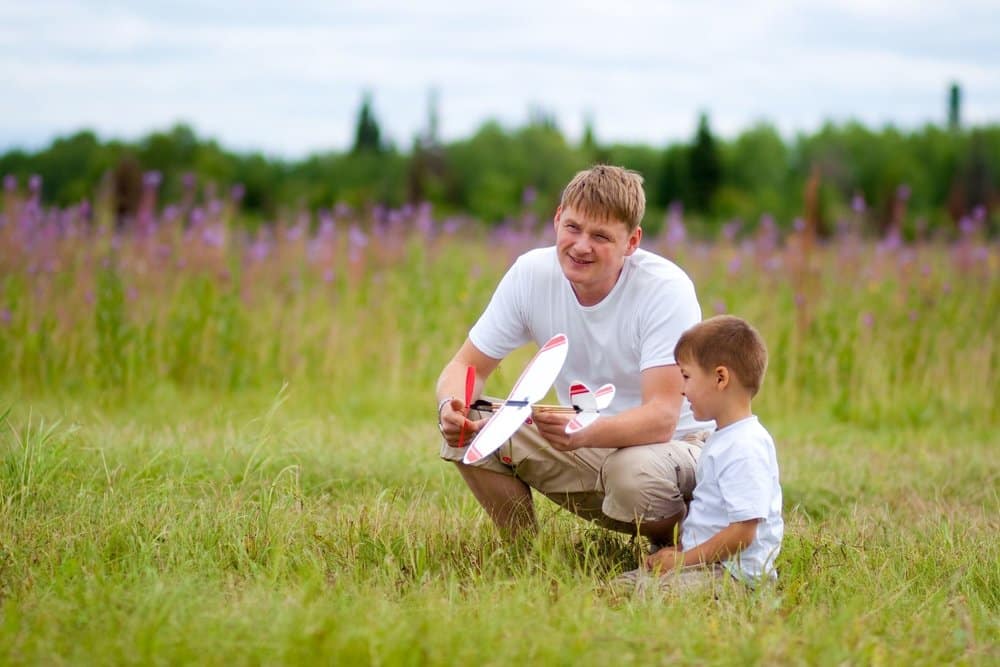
(604, 396)
(582, 398)
(582, 421)
(498, 429)
(534, 383)
(588, 404)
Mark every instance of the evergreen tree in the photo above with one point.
(954, 107)
(705, 166)
(367, 136)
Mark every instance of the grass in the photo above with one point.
(206, 475)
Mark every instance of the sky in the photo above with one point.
(287, 79)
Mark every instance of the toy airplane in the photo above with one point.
(534, 383)
(587, 405)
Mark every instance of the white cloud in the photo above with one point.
(288, 78)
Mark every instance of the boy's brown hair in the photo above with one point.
(727, 341)
(607, 192)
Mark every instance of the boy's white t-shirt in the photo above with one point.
(737, 480)
(633, 328)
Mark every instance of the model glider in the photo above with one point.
(588, 405)
(531, 387)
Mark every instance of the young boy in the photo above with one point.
(734, 523)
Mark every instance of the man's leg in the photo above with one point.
(505, 498)
(650, 487)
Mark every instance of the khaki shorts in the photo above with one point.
(616, 488)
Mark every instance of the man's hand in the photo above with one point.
(453, 416)
(552, 426)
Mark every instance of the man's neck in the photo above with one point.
(596, 295)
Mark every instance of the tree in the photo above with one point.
(705, 166)
(367, 136)
(954, 107)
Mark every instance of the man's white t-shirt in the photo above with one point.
(737, 480)
(633, 328)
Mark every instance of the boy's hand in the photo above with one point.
(665, 559)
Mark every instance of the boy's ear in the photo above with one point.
(721, 377)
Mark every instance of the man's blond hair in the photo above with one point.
(725, 340)
(607, 193)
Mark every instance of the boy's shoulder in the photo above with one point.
(746, 436)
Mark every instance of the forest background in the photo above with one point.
(920, 181)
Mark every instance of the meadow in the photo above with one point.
(218, 446)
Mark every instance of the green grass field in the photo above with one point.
(236, 463)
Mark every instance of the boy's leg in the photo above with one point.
(684, 581)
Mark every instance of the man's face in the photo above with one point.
(592, 252)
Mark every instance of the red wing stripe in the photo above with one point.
(555, 342)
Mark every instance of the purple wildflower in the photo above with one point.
(357, 238)
(858, 204)
(151, 180)
(719, 306)
(903, 192)
(676, 233)
(735, 264)
(213, 236)
(529, 196)
(731, 229)
(5, 316)
(237, 192)
(10, 183)
(868, 320)
(425, 221)
(35, 184)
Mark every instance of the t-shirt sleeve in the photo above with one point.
(502, 327)
(670, 314)
(746, 486)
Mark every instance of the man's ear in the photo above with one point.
(721, 377)
(555, 218)
(633, 241)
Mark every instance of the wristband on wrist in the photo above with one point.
(441, 404)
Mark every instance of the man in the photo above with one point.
(623, 310)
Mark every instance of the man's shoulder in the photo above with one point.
(648, 266)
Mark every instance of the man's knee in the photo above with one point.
(642, 484)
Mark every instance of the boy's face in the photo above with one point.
(592, 252)
(702, 389)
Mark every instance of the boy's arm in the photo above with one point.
(726, 543)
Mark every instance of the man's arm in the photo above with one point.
(653, 421)
(723, 545)
(451, 385)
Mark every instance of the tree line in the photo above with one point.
(941, 175)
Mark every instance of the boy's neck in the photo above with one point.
(733, 412)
